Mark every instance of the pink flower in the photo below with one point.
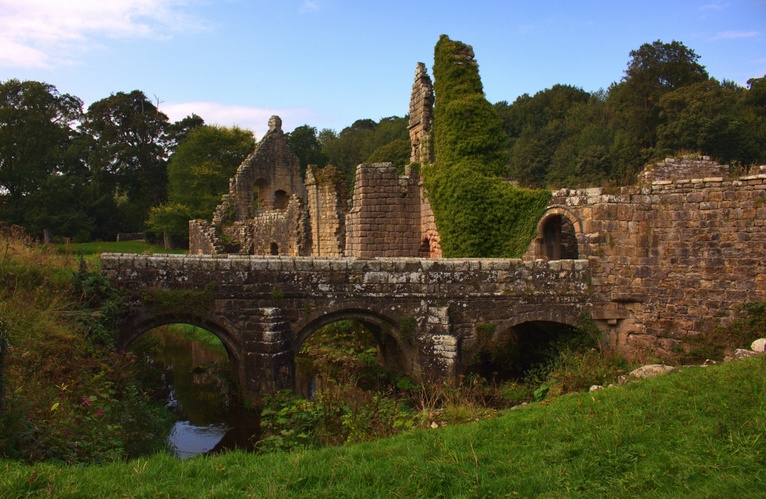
(86, 401)
(99, 412)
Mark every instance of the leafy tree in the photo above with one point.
(128, 150)
(356, 144)
(536, 126)
(478, 214)
(199, 173)
(177, 132)
(654, 70)
(305, 143)
(36, 136)
(397, 153)
(707, 117)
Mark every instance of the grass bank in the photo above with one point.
(698, 432)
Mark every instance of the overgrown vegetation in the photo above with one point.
(694, 433)
(348, 397)
(478, 214)
(68, 396)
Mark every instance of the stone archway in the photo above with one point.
(131, 332)
(393, 352)
(559, 235)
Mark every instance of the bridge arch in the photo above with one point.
(559, 235)
(131, 332)
(392, 350)
(521, 342)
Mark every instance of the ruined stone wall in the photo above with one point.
(385, 218)
(272, 167)
(276, 232)
(203, 239)
(327, 207)
(430, 246)
(421, 117)
(671, 257)
(683, 168)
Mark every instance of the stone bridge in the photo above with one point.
(424, 313)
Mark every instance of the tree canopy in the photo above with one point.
(199, 171)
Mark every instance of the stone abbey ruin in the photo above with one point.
(652, 264)
(270, 210)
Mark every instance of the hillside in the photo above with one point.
(697, 432)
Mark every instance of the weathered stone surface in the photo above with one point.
(263, 308)
(758, 345)
(670, 258)
(741, 353)
(650, 371)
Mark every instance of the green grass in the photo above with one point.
(699, 432)
(98, 247)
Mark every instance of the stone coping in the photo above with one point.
(393, 264)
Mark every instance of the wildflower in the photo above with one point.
(99, 412)
(86, 401)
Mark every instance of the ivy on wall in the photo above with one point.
(478, 214)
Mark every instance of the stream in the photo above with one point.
(197, 378)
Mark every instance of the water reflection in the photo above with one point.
(198, 378)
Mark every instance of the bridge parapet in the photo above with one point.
(331, 276)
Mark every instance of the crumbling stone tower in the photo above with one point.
(421, 117)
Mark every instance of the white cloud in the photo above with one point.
(309, 6)
(46, 33)
(734, 35)
(251, 118)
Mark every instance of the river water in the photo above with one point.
(198, 378)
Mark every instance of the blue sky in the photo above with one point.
(327, 63)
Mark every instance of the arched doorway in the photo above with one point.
(368, 343)
(557, 237)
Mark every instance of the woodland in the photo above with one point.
(122, 166)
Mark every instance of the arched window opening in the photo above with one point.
(559, 239)
(260, 195)
(274, 249)
(281, 200)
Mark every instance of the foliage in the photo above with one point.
(127, 151)
(478, 214)
(709, 117)
(357, 143)
(69, 396)
(654, 70)
(198, 175)
(40, 177)
(397, 153)
(304, 142)
(697, 432)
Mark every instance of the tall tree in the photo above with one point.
(654, 70)
(36, 135)
(199, 173)
(304, 142)
(128, 152)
